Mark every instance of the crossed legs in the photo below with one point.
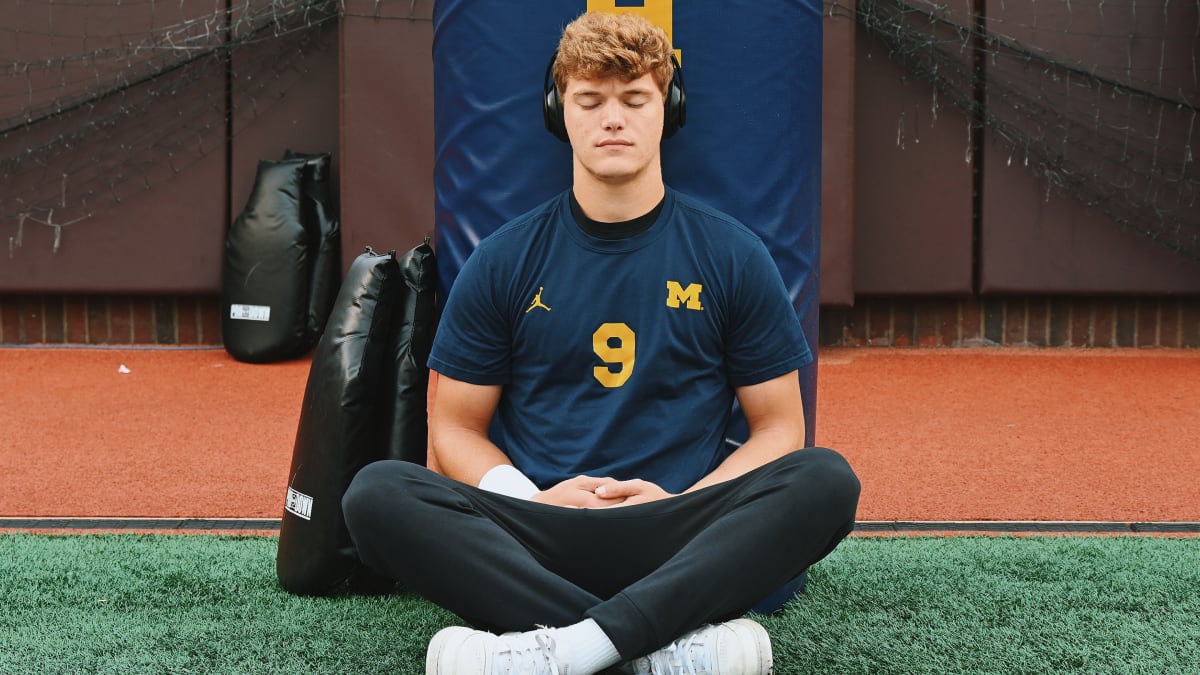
(646, 574)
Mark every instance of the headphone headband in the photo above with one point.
(674, 113)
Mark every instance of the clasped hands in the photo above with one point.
(586, 492)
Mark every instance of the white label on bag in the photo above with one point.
(250, 312)
(299, 504)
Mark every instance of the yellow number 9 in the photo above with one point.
(615, 344)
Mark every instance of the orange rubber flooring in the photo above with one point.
(935, 435)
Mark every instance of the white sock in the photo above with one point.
(588, 648)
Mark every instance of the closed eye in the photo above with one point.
(587, 101)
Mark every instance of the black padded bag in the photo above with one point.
(339, 432)
(324, 230)
(268, 269)
(412, 339)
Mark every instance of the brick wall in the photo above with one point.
(1022, 321)
(1015, 322)
(109, 320)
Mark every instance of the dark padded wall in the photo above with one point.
(156, 225)
(386, 125)
(837, 158)
(913, 231)
(144, 242)
(1038, 239)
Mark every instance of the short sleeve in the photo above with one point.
(764, 338)
(473, 335)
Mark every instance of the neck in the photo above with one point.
(618, 201)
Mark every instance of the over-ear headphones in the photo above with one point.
(674, 116)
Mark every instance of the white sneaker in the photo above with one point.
(463, 651)
(738, 647)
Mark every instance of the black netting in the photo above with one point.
(100, 99)
(103, 98)
(1096, 98)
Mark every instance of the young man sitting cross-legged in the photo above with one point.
(591, 514)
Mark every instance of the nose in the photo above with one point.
(614, 116)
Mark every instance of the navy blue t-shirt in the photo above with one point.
(618, 357)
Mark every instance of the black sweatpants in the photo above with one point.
(646, 573)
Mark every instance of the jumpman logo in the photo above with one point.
(537, 301)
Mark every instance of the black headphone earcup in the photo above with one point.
(675, 115)
(552, 114)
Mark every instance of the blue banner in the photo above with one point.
(751, 146)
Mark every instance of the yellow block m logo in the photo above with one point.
(678, 295)
(659, 12)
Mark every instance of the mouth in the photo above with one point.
(613, 142)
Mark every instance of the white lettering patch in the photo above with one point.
(299, 504)
(250, 312)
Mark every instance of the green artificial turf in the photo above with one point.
(182, 604)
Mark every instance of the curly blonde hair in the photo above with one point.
(600, 44)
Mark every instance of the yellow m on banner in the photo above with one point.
(659, 12)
